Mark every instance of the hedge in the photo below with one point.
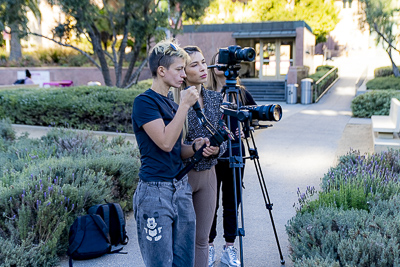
(320, 72)
(97, 108)
(384, 71)
(376, 102)
(384, 83)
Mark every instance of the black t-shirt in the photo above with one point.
(157, 165)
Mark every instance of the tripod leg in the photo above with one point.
(268, 203)
(237, 189)
(240, 230)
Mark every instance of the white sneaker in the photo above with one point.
(211, 256)
(230, 256)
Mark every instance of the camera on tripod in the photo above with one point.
(230, 57)
(234, 54)
(228, 62)
(261, 112)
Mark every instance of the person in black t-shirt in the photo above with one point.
(162, 204)
(216, 80)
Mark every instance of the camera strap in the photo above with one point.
(215, 140)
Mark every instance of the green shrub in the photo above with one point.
(26, 60)
(356, 181)
(46, 183)
(78, 60)
(143, 85)
(348, 237)
(317, 75)
(325, 68)
(86, 107)
(383, 71)
(61, 57)
(358, 208)
(320, 71)
(375, 102)
(69, 152)
(315, 261)
(6, 130)
(325, 83)
(43, 207)
(384, 83)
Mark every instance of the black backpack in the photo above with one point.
(88, 238)
(114, 217)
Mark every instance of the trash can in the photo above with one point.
(291, 93)
(306, 91)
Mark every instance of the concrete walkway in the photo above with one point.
(295, 153)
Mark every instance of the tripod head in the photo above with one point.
(229, 59)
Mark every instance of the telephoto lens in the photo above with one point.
(266, 112)
(246, 54)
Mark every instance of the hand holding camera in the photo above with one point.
(204, 143)
(189, 96)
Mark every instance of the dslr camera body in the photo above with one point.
(235, 54)
(230, 57)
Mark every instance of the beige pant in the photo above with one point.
(204, 186)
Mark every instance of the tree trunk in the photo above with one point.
(15, 44)
(128, 76)
(396, 71)
(135, 77)
(97, 48)
(118, 67)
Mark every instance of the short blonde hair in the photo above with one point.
(162, 54)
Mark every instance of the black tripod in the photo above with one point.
(243, 115)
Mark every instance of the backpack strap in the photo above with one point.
(94, 209)
(81, 221)
(106, 215)
(78, 235)
(121, 219)
(98, 221)
(103, 210)
(118, 250)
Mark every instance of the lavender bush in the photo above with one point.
(356, 181)
(354, 220)
(46, 183)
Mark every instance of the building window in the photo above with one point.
(273, 58)
(286, 57)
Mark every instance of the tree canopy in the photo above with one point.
(119, 30)
(321, 15)
(380, 17)
(13, 14)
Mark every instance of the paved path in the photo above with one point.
(295, 153)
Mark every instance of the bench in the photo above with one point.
(64, 83)
(385, 129)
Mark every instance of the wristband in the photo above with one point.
(194, 147)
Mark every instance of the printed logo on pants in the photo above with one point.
(152, 231)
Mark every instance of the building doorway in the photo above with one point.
(273, 58)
